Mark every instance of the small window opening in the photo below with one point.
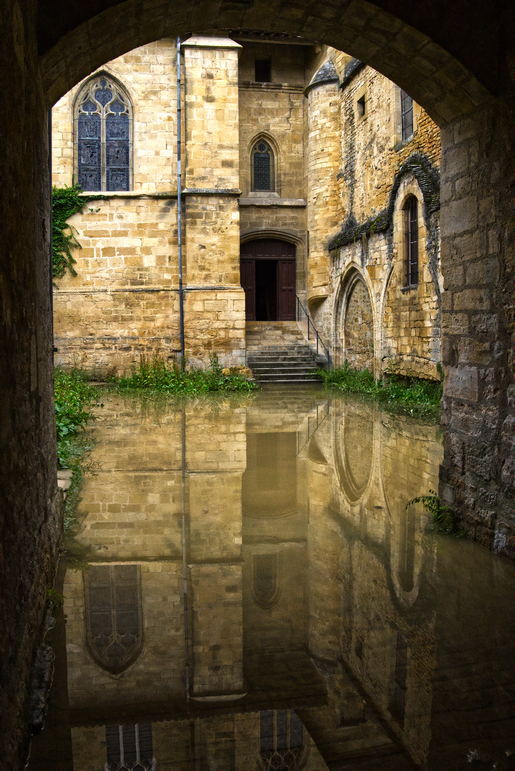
(362, 106)
(263, 70)
(411, 240)
(129, 748)
(406, 116)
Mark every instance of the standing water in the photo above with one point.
(248, 590)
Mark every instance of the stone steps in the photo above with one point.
(278, 353)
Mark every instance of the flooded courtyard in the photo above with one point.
(253, 592)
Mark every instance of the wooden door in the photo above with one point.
(286, 279)
(283, 254)
(248, 283)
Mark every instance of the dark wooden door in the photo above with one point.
(286, 276)
(248, 283)
(283, 254)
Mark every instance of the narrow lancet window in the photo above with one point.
(411, 240)
(262, 167)
(406, 116)
(103, 129)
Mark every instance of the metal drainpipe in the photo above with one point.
(179, 201)
(51, 233)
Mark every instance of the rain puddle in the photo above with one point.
(249, 591)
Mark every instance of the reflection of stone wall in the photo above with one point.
(363, 535)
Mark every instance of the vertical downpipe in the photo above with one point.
(51, 235)
(184, 557)
(179, 201)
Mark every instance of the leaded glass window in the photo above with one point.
(281, 741)
(129, 748)
(262, 167)
(114, 625)
(406, 116)
(411, 240)
(103, 128)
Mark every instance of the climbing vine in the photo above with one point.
(66, 201)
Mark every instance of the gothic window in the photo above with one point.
(265, 580)
(129, 748)
(114, 619)
(282, 747)
(411, 240)
(406, 116)
(103, 117)
(262, 167)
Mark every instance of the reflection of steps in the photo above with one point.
(278, 353)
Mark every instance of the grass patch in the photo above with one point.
(157, 376)
(73, 397)
(409, 396)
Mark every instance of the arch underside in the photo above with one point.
(419, 60)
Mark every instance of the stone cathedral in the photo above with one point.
(309, 186)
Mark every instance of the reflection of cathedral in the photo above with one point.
(259, 597)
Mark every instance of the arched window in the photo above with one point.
(411, 240)
(282, 741)
(262, 167)
(114, 624)
(129, 748)
(406, 116)
(103, 118)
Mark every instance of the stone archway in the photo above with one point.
(437, 53)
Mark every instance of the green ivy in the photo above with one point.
(66, 201)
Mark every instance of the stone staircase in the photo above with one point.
(277, 352)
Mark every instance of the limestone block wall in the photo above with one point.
(478, 236)
(322, 167)
(148, 73)
(124, 302)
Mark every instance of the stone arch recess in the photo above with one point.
(348, 283)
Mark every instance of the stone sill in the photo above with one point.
(100, 194)
(411, 288)
(252, 86)
(272, 201)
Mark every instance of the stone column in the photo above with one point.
(322, 168)
(215, 301)
(478, 239)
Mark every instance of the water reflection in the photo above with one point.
(259, 597)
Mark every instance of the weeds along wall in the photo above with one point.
(340, 176)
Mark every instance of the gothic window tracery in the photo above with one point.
(103, 117)
(113, 615)
(262, 167)
(129, 748)
(282, 741)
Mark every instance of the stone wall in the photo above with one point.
(478, 237)
(30, 510)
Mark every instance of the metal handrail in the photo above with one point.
(311, 326)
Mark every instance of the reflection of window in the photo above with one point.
(406, 116)
(397, 702)
(281, 740)
(114, 627)
(411, 240)
(262, 167)
(129, 748)
(103, 126)
(265, 579)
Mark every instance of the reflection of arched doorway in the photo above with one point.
(268, 277)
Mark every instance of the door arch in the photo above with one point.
(268, 277)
